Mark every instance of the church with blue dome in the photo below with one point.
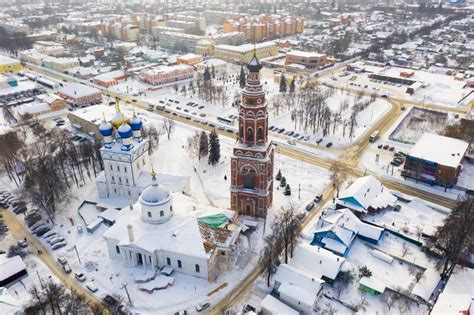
(125, 157)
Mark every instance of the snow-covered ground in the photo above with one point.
(208, 189)
(365, 119)
(440, 90)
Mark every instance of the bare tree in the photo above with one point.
(389, 298)
(194, 145)
(337, 176)
(455, 238)
(169, 126)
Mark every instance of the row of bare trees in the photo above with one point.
(310, 111)
(281, 242)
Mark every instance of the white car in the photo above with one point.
(56, 240)
(80, 276)
(91, 287)
(58, 245)
(50, 233)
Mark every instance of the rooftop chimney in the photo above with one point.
(131, 237)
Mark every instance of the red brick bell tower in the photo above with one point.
(251, 190)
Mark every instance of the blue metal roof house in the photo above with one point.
(337, 231)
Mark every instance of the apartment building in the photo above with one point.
(166, 74)
(243, 53)
(264, 27)
(307, 59)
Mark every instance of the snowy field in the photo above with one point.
(440, 90)
(418, 121)
(209, 189)
(339, 136)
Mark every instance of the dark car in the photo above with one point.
(310, 206)
(319, 140)
(329, 144)
(318, 198)
(385, 147)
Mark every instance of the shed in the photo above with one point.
(12, 270)
(371, 285)
(272, 306)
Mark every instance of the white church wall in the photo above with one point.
(188, 263)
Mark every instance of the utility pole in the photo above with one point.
(77, 253)
(41, 281)
(299, 191)
(124, 286)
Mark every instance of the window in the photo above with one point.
(171, 208)
(162, 213)
(149, 214)
(115, 190)
(260, 133)
(249, 134)
(125, 169)
(180, 265)
(118, 168)
(113, 179)
(149, 259)
(168, 261)
(126, 180)
(120, 179)
(129, 193)
(249, 177)
(117, 249)
(197, 268)
(111, 167)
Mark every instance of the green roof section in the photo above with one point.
(214, 220)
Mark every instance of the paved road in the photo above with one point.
(19, 232)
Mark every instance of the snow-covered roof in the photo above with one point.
(290, 274)
(110, 214)
(344, 218)
(452, 304)
(74, 90)
(7, 60)
(367, 192)
(297, 293)
(427, 284)
(317, 261)
(373, 283)
(180, 234)
(11, 266)
(304, 54)
(440, 149)
(275, 307)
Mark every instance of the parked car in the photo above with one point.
(201, 307)
(318, 198)
(62, 260)
(391, 149)
(58, 245)
(291, 142)
(329, 144)
(91, 287)
(42, 230)
(55, 240)
(67, 268)
(80, 276)
(385, 147)
(380, 146)
(50, 233)
(319, 140)
(310, 206)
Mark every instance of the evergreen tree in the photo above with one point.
(242, 77)
(293, 85)
(203, 144)
(207, 74)
(278, 176)
(214, 148)
(282, 84)
(283, 182)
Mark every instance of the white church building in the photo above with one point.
(155, 233)
(125, 158)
